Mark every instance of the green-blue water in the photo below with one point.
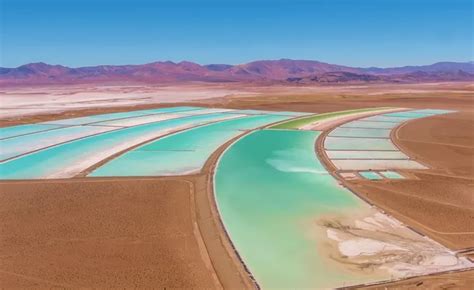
(59, 159)
(370, 175)
(183, 152)
(413, 114)
(8, 132)
(270, 189)
(16, 146)
(392, 174)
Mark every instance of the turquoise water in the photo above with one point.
(16, 146)
(347, 143)
(391, 175)
(183, 152)
(366, 154)
(270, 189)
(368, 124)
(370, 175)
(411, 114)
(112, 116)
(7, 132)
(69, 159)
(384, 118)
(360, 132)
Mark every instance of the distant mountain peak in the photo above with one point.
(261, 70)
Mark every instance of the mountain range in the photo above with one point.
(283, 70)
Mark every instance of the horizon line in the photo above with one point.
(251, 61)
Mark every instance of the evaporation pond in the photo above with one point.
(16, 146)
(183, 152)
(370, 175)
(369, 124)
(271, 189)
(341, 154)
(383, 118)
(391, 175)
(8, 132)
(357, 164)
(346, 143)
(360, 132)
(69, 159)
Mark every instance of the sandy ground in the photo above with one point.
(108, 233)
(140, 233)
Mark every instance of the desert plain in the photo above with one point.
(166, 231)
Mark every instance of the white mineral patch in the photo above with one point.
(366, 247)
(379, 242)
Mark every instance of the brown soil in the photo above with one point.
(458, 280)
(107, 233)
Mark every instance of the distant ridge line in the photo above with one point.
(282, 70)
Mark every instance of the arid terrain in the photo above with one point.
(149, 232)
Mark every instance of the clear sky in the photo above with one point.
(350, 32)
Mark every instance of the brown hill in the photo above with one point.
(306, 71)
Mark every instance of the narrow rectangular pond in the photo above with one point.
(13, 131)
(384, 118)
(356, 164)
(347, 143)
(370, 175)
(369, 124)
(360, 132)
(391, 175)
(417, 113)
(16, 146)
(341, 154)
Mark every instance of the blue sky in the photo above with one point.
(357, 33)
